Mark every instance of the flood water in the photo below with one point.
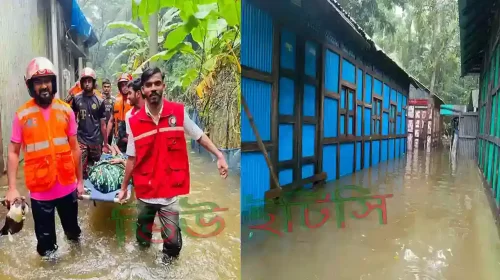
(439, 226)
(102, 256)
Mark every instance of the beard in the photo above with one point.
(44, 98)
(88, 89)
(155, 97)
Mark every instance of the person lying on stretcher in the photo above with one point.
(107, 175)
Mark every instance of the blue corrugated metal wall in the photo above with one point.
(338, 115)
(378, 150)
(256, 53)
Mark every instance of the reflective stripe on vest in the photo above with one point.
(153, 132)
(61, 107)
(23, 113)
(59, 141)
(45, 144)
(37, 146)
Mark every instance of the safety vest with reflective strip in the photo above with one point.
(161, 167)
(47, 154)
(121, 107)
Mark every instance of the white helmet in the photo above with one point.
(40, 67)
(88, 72)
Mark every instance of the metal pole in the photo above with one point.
(55, 45)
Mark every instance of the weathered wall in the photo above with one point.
(23, 29)
(66, 61)
(489, 112)
(416, 93)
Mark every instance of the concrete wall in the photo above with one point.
(23, 29)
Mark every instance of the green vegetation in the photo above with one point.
(198, 49)
(422, 36)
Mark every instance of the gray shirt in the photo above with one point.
(190, 128)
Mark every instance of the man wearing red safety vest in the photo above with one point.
(158, 162)
(45, 129)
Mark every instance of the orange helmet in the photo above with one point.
(125, 77)
(40, 67)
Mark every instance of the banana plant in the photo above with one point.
(136, 41)
(212, 24)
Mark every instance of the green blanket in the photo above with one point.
(105, 176)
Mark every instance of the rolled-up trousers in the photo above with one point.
(170, 231)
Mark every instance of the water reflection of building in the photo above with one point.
(323, 96)
(56, 29)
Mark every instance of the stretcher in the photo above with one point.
(95, 195)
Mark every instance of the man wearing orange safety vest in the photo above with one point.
(44, 128)
(116, 123)
(158, 162)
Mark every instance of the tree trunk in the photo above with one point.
(434, 53)
(406, 58)
(433, 78)
(153, 37)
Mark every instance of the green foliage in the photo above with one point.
(423, 37)
(372, 15)
(198, 49)
(136, 41)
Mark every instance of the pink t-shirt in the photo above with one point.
(58, 190)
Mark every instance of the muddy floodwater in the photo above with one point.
(102, 256)
(439, 226)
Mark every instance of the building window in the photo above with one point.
(347, 111)
(377, 116)
(392, 120)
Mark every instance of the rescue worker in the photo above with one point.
(45, 129)
(158, 162)
(109, 101)
(116, 123)
(136, 100)
(76, 89)
(90, 110)
(72, 91)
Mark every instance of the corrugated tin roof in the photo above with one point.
(475, 20)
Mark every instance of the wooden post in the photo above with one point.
(274, 192)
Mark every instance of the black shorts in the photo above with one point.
(110, 138)
(122, 145)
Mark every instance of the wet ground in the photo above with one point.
(102, 256)
(439, 226)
